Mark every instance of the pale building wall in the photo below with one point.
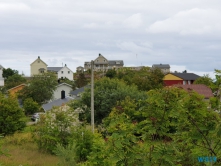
(57, 92)
(36, 65)
(66, 72)
(2, 82)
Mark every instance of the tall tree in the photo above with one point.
(40, 88)
(81, 80)
(107, 92)
(12, 117)
(9, 72)
(14, 80)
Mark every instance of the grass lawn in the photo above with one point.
(23, 151)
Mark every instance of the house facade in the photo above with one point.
(165, 68)
(38, 67)
(179, 78)
(103, 64)
(2, 81)
(66, 88)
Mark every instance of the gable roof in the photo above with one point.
(1, 67)
(54, 103)
(17, 87)
(40, 60)
(186, 76)
(63, 83)
(116, 62)
(161, 66)
(54, 69)
(199, 88)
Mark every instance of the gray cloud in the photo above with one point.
(184, 34)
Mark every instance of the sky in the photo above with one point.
(184, 34)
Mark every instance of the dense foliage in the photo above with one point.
(30, 106)
(107, 92)
(9, 72)
(40, 88)
(14, 80)
(12, 117)
(81, 80)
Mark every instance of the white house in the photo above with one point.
(1, 77)
(66, 88)
(62, 72)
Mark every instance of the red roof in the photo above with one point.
(199, 88)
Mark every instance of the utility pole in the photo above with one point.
(92, 96)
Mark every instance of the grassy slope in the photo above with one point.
(24, 152)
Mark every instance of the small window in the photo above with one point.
(62, 72)
(104, 60)
(68, 72)
(38, 61)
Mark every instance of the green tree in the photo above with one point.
(55, 128)
(176, 128)
(107, 92)
(40, 88)
(81, 80)
(14, 80)
(9, 72)
(30, 106)
(111, 73)
(152, 79)
(12, 118)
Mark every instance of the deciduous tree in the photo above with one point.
(12, 117)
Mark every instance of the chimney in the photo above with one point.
(62, 94)
(38, 57)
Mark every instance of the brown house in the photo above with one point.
(199, 88)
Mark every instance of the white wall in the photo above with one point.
(1, 78)
(66, 72)
(57, 92)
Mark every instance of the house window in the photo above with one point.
(68, 72)
(104, 60)
(38, 61)
(184, 82)
(189, 82)
(62, 72)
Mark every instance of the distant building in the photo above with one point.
(103, 64)
(62, 72)
(199, 88)
(38, 67)
(165, 68)
(179, 78)
(80, 69)
(2, 82)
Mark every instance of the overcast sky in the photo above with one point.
(183, 33)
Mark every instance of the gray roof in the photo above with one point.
(113, 62)
(162, 66)
(186, 76)
(56, 69)
(58, 102)
(78, 91)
